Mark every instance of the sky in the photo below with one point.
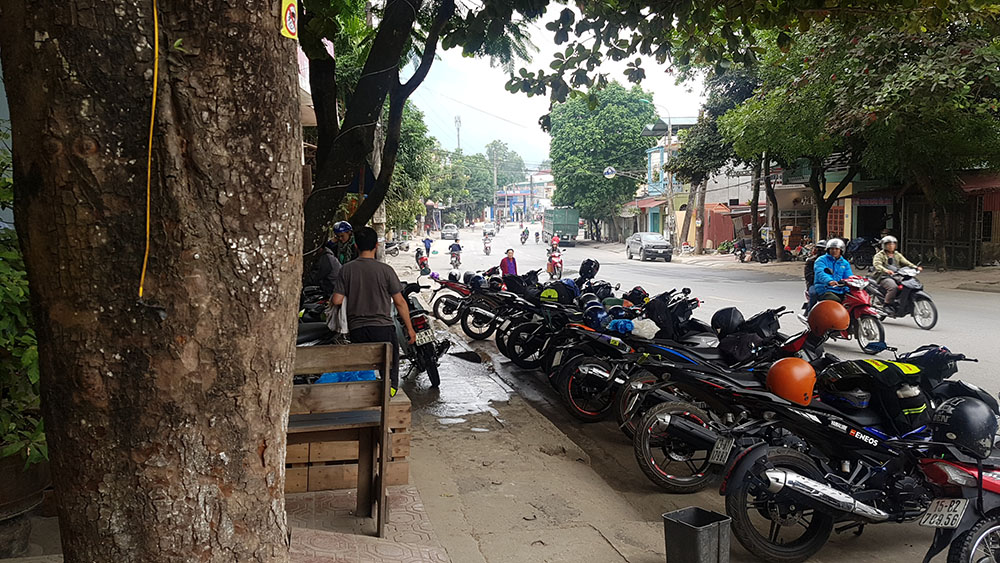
(474, 91)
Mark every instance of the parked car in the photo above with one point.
(489, 229)
(449, 231)
(648, 245)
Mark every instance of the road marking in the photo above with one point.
(724, 299)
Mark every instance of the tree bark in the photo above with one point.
(754, 204)
(824, 203)
(699, 231)
(688, 211)
(165, 415)
(773, 199)
(937, 223)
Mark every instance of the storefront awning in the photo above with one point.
(646, 203)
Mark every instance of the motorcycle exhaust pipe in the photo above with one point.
(483, 312)
(781, 479)
(686, 430)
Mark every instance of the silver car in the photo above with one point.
(648, 246)
(489, 229)
(449, 231)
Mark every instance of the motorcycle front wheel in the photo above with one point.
(777, 526)
(588, 398)
(524, 345)
(980, 543)
(868, 329)
(925, 313)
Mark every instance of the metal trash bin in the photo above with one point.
(696, 535)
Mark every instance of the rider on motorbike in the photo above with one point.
(455, 247)
(886, 258)
(536, 237)
(825, 286)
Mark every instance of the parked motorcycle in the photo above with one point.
(554, 267)
(446, 307)
(860, 251)
(425, 352)
(910, 300)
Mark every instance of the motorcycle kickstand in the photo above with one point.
(859, 525)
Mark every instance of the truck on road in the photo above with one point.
(562, 221)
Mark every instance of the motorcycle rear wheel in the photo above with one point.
(629, 424)
(524, 346)
(587, 398)
(750, 504)
(431, 363)
(868, 329)
(648, 442)
(446, 309)
(925, 313)
(476, 325)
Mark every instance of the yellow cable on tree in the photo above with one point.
(149, 154)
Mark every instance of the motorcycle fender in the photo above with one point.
(866, 310)
(923, 294)
(739, 467)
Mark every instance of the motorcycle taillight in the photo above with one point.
(943, 473)
(420, 322)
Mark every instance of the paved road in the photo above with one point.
(968, 319)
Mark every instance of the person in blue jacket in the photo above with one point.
(825, 286)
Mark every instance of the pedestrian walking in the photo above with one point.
(370, 288)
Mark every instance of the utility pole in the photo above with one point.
(495, 182)
(458, 130)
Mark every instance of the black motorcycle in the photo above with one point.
(861, 251)
(425, 352)
(911, 300)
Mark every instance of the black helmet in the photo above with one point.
(453, 276)
(618, 312)
(966, 422)
(478, 282)
(855, 398)
(637, 295)
(496, 284)
(589, 268)
(727, 321)
(602, 289)
(587, 298)
(467, 277)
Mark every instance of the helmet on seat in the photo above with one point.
(842, 387)
(467, 277)
(589, 268)
(572, 286)
(727, 321)
(618, 312)
(637, 295)
(792, 379)
(828, 316)
(966, 422)
(478, 283)
(496, 284)
(342, 227)
(453, 276)
(587, 298)
(596, 317)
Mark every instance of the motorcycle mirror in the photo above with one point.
(425, 271)
(686, 291)
(618, 286)
(876, 347)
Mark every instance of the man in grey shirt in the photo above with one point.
(371, 288)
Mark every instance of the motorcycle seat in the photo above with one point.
(311, 331)
(860, 417)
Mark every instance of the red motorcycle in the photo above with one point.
(865, 324)
(447, 307)
(555, 264)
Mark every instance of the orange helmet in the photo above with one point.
(826, 316)
(792, 379)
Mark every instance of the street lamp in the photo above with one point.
(670, 178)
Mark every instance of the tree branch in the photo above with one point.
(397, 103)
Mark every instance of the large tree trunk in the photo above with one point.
(699, 231)
(165, 414)
(688, 213)
(772, 198)
(754, 204)
(937, 222)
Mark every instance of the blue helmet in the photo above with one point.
(572, 285)
(596, 317)
(342, 227)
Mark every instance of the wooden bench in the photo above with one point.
(351, 411)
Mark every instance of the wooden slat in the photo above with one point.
(345, 476)
(336, 397)
(343, 357)
(400, 442)
(296, 479)
(297, 453)
(347, 450)
(335, 435)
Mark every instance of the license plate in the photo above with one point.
(945, 513)
(425, 337)
(557, 359)
(720, 452)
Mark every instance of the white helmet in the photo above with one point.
(887, 239)
(835, 243)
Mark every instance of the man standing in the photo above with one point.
(508, 266)
(371, 287)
